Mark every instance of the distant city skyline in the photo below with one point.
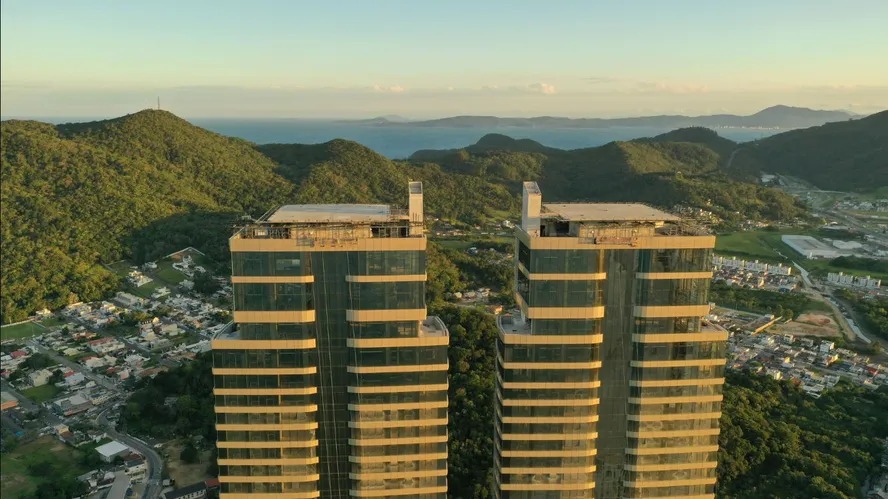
(422, 60)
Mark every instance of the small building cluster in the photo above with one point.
(840, 279)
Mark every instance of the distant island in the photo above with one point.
(779, 117)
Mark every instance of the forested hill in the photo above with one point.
(77, 195)
(140, 186)
(659, 171)
(847, 155)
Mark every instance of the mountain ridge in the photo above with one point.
(778, 116)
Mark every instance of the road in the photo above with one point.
(841, 320)
(100, 380)
(155, 463)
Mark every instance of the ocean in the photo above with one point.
(398, 142)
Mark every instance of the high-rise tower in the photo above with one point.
(334, 384)
(609, 384)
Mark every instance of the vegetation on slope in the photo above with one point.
(77, 195)
(652, 171)
(848, 155)
(140, 186)
(778, 442)
(341, 171)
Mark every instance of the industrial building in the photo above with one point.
(811, 247)
(334, 384)
(608, 383)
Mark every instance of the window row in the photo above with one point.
(265, 418)
(266, 436)
(548, 375)
(268, 470)
(264, 359)
(398, 379)
(664, 373)
(674, 408)
(264, 381)
(567, 429)
(398, 356)
(398, 397)
(677, 491)
(687, 424)
(680, 351)
(275, 453)
(550, 394)
(545, 293)
(267, 488)
(549, 353)
(273, 331)
(264, 400)
(406, 432)
(664, 292)
(560, 261)
(271, 297)
(675, 260)
(668, 325)
(559, 327)
(399, 450)
(387, 295)
(268, 263)
(373, 330)
(536, 411)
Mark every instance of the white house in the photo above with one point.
(111, 450)
(39, 378)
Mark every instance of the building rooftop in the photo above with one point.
(111, 448)
(605, 212)
(323, 213)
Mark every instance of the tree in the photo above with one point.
(205, 283)
(189, 454)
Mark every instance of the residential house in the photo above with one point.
(105, 345)
(39, 377)
(193, 491)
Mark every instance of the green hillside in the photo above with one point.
(848, 155)
(341, 171)
(77, 195)
(654, 171)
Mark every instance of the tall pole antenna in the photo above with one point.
(158, 103)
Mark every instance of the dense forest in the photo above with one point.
(775, 440)
(787, 305)
(874, 310)
(856, 148)
(76, 196)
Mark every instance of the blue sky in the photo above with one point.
(422, 58)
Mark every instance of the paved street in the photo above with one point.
(155, 463)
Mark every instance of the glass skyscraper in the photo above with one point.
(334, 383)
(609, 384)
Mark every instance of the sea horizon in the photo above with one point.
(399, 142)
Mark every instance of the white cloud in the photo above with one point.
(543, 88)
(394, 89)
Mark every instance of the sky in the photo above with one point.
(423, 59)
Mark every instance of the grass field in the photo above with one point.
(167, 273)
(17, 481)
(52, 322)
(20, 331)
(766, 246)
(41, 394)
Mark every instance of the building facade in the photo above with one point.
(334, 384)
(608, 383)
